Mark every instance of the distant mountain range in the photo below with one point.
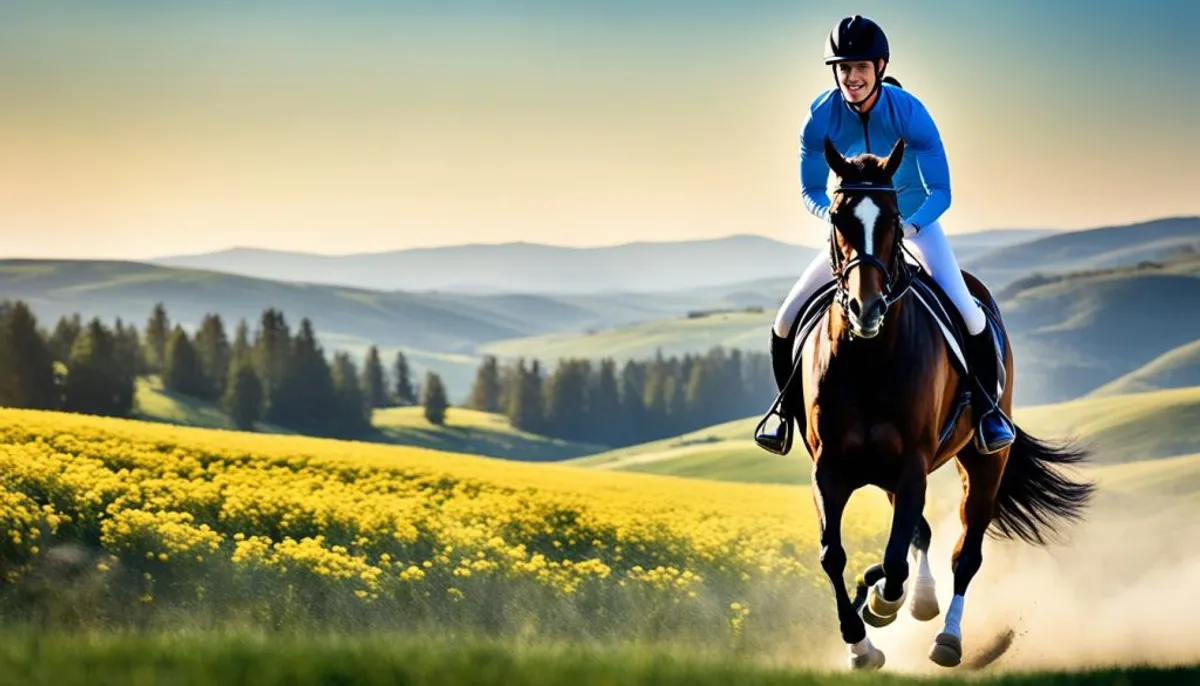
(1074, 333)
(643, 267)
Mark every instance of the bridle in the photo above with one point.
(892, 290)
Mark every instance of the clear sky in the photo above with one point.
(138, 129)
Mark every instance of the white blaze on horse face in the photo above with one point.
(867, 212)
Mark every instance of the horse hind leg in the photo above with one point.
(924, 603)
(982, 482)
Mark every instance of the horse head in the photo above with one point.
(864, 250)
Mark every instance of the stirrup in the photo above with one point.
(778, 441)
(994, 431)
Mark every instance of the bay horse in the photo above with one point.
(875, 400)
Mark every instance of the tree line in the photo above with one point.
(285, 378)
(643, 400)
(271, 375)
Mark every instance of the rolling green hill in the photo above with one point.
(438, 331)
(1072, 333)
(475, 433)
(465, 431)
(674, 336)
(1105, 247)
(1178, 368)
(1118, 429)
(154, 403)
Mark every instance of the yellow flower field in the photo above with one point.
(273, 528)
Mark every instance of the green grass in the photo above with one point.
(154, 403)
(1127, 428)
(725, 452)
(1175, 369)
(1124, 428)
(473, 432)
(674, 336)
(465, 431)
(227, 659)
(1171, 476)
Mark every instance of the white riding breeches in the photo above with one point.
(931, 249)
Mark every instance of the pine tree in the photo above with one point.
(129, 348)
(158, 329)
(486, 391)
(213, 350)
(633, 403)
(272, 353)
(374, 380)
(97, 383)
(405, 393)
(243, 399)
(241, 349)
(183, 372)
(655, 397)
(526, 408)
(605, 415)
(566, 400)
(702, 394)
(307, 392)
(26, 366)
(352, 410)
(433, 398)
(63, 338)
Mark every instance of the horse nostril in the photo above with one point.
(880, 308)
(855, 308)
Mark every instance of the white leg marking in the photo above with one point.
(862, 647)
(867, 212)
(924, 573)
(954, 616)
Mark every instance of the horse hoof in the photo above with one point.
(946, 650)
(924, 606)
(872, 660)
(881, 610)
(877, 621)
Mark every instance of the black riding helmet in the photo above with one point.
(854, 39)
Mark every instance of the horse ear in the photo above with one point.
(892, 163)
(836, 162)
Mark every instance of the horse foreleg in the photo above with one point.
(887, 597)
(981, 475)
(831, 496)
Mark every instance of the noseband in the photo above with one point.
(892, 291)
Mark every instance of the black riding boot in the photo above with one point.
(993, 431)
(777, 439)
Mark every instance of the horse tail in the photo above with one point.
(1033, 495)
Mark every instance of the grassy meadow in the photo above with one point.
(1127, 428)
(125, 524)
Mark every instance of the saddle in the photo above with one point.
(930, 295)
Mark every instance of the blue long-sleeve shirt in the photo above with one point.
(924, 174)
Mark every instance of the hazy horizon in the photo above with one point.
(134, 131)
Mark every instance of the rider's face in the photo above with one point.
(856, 79)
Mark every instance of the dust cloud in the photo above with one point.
(1120, 588)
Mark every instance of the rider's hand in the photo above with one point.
(910, 229)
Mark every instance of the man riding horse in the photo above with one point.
(882, 377)
(864, 114)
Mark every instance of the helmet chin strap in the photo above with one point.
(857, 106)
